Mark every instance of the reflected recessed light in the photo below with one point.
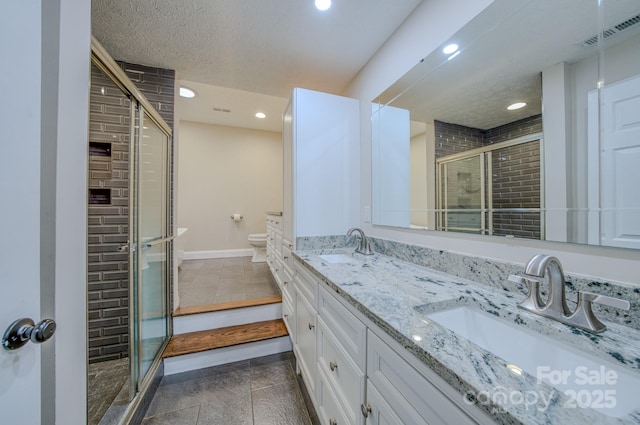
(450, 48)
(323, 4)
(260, 115)
(516, 105)
(514, 369)
(453, 55)
(188, 93)
(417, 338)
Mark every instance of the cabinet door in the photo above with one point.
(328, 407)
(380, 412)
(341, 372)
(415, 399)
(288, 315)
(306, 341)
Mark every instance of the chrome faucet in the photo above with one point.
(364, 247)
(556, 306)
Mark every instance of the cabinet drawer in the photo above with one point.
(404, 388)
(286, 253)
(344, 375)
(350, 331)
(277, 271)
(287, 280)
(328, 408)
(307, 284)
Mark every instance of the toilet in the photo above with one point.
(259, 243)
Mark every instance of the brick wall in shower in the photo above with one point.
(516, 170)
(108, 280)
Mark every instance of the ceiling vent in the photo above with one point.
(221, 110)
(609, 32)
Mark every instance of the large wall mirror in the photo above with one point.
(451, 153)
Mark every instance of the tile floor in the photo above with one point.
(220, 280)
(262, 391)
(105, 382)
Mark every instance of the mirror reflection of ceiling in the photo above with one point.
(500, 64)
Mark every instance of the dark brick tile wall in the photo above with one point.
(516, 170)
(516, 184)
(108, 277)
(454, 138)
(523, 127)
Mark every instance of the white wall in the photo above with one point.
(621, 62)
(222, 171)
(426, 29)
(418, 179)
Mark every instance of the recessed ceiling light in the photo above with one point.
(188, 93)
(323, 4)
(260, 115)
(516, 105)
(450, 48)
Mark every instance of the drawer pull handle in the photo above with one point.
(286, 257)
(365, 410)
(333, 422)
(285, 282)
(311, 326)
(286, 316)
(333, 366)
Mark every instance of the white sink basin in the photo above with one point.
(563, 367)
(338, 258)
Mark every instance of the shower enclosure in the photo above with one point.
(130, 240)
(493, 190)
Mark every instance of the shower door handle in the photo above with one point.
(24, 330)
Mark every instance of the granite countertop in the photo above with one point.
(397, 296)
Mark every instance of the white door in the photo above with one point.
(43, 116)
(620, 156)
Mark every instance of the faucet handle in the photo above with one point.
(532, 302)
(603, 299)
(584, 318)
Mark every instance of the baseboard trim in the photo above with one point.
(222, 253)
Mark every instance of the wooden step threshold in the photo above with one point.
(195, 342)
(210, 308)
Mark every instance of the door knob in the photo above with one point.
(24, 330)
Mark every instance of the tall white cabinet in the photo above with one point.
(321, 138)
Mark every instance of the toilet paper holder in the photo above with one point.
(236, 217)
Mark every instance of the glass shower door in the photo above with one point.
(462, 195)
(151, 236)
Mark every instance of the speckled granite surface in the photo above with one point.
(396, 295)
(492, 273)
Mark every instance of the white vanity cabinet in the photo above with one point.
(357, 374)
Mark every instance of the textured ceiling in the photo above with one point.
(261, 46)
(503, 52)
